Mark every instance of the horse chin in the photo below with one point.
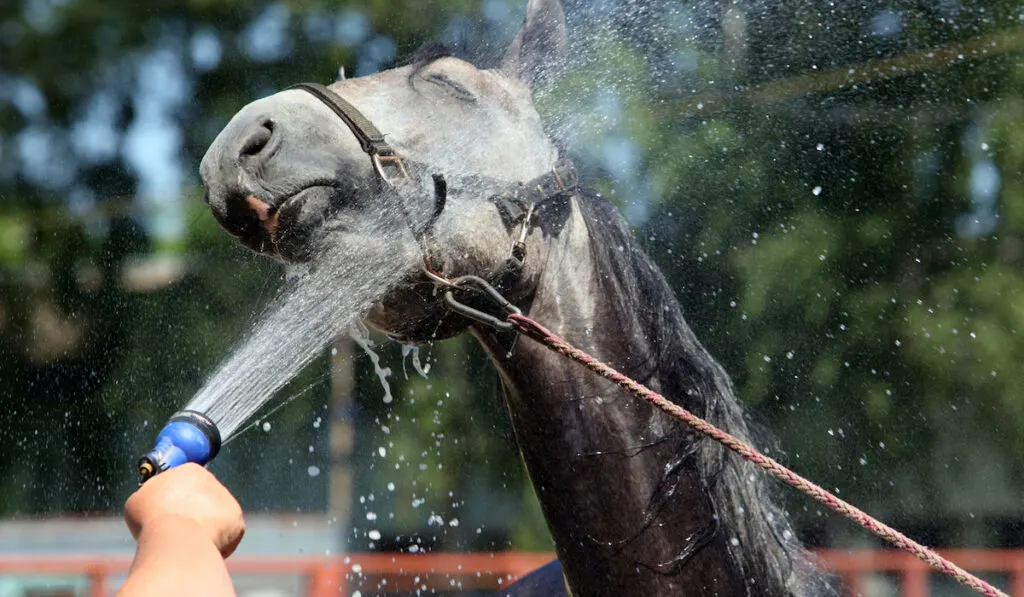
(415, 316)
(300, 222)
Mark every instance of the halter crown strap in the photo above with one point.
(514, 202)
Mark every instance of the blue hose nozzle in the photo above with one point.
(188, 436)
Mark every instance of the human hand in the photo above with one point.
(188, 492)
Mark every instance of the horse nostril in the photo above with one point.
(258, 139)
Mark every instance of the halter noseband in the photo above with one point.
(370, 139)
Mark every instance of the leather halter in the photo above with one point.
(370, 139)
(516, 204)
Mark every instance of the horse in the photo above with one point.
(637, 503)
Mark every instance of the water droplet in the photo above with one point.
(313, 470)
(816, 191)
(374, 535)
(266, 426)
(371, 516)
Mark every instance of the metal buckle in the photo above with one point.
(480, 285)
(517, 256)
(391, 161)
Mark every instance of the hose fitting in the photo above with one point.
(188, 436)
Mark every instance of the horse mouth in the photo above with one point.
(288, 228)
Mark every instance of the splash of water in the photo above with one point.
(361, 336)
(420, 367)
(347, 278)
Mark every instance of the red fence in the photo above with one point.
(913, 574)
(379, 573)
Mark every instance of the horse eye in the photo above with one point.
(453, 88)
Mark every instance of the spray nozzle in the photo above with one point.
(189, 436)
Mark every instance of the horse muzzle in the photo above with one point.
(288, 228)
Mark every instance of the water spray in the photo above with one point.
(188, 436)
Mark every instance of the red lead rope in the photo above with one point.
(535, 331)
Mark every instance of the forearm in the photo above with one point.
(175, 557)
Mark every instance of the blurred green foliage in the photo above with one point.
(834, 189)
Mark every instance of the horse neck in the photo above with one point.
(635, 502)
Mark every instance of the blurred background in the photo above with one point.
(834, 189)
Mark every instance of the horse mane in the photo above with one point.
(432, 51)
(760, 539)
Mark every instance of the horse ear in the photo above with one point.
(541, 47)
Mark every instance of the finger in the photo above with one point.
(232, 545)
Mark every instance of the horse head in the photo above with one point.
(288, 174)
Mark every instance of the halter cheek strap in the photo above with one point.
(518, 203)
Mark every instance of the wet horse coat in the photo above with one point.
(636, 503)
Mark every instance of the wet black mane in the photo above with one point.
(762, 544)
(432, 51)
(428, 53)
